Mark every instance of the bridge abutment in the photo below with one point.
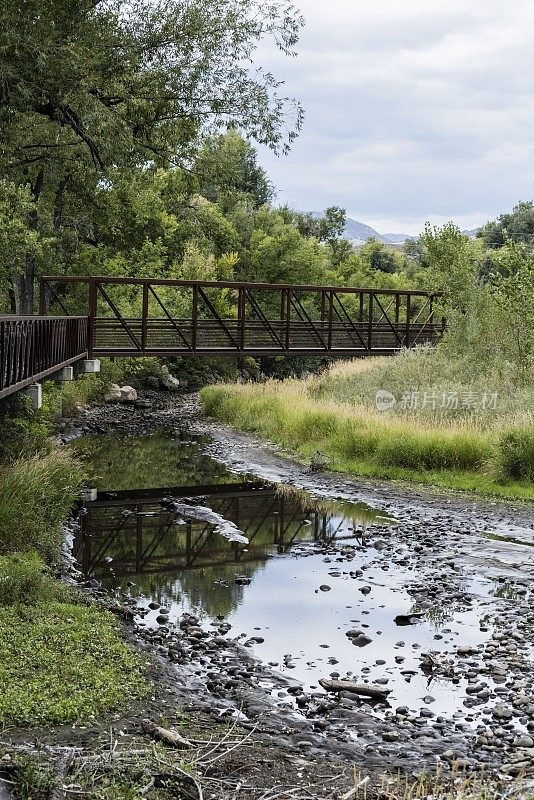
(35, 392)
(88, 366)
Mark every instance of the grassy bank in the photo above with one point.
(61, 660)
(489, 452)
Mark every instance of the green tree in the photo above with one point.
(326, 227)
(89, 86)
(452, 265)
(227, 168)
(513, 297)
(380, 257)
(17, 239)
(516, 226)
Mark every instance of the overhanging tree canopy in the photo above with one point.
(87, 86)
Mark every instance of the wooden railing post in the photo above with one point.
(194, 319)
(330, 318)
(370, 324)
(241, 316)
(144, 318)
(408, 319)
(288, 318)
(91, 328)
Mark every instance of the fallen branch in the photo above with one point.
(364, 689)
(172, 738)
(354, 791)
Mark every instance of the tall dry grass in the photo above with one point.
(36, 494)
(335, 412)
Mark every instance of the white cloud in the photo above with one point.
(415, 110)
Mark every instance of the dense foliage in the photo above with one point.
(90, 88)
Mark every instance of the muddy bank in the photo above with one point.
(447, 543)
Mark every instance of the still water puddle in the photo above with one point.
(311, 570)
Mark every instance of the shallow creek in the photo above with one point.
(322, 586)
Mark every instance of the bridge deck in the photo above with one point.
(141, 316)
(107, 316)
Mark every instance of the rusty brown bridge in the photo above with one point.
(84, 317)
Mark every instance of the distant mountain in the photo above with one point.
(396, 238)
(472, 233)
(358, 233)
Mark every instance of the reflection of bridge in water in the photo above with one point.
(130, 533)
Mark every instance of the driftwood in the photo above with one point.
(364, 689)
(408, 619)
(172, 738)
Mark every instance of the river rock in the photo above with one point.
(466, 649)
(361, 640)
(128, 394)
(168, 381)
(523, 741)
(114, 394)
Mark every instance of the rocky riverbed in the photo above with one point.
(465, 564)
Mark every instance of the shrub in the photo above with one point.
(36, 495)
(22, 430)
(24, 579)
(417, 449)
(516, 454)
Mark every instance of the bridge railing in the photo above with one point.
(32, 348)
(142, 316)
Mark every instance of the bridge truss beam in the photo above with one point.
(143, 316)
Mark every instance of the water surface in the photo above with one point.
(313, 568)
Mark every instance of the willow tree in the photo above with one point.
(92, 86)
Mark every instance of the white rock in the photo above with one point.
(114, 394)
(167, 380)
(128, 394)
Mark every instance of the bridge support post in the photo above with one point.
(88, 366)
(63, 375)
(35, 392)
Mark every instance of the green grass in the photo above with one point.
(60, 660)
(61, 663)
(463, 453)
(25, 580)
(36, 494)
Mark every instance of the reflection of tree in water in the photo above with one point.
(167, 556)
(437, 615)
(505, 591)
(357, 513)
(209, 559)
(119, 462)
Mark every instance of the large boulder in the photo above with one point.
(168, 381)
(120, 394)
(128, 394)
(114, 394)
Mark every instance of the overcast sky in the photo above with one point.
(415, 110)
